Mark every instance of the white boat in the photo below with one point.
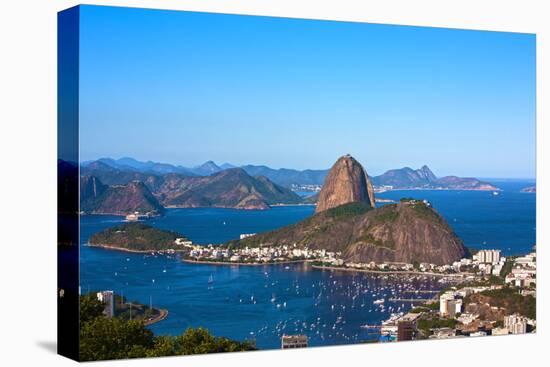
(379, 301)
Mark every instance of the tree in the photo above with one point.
(90, 307)
(103, 338)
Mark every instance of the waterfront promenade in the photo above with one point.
(161, 316)
(191, 261)
(397, 272)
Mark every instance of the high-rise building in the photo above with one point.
(515, 323)
(108, 298)
(488, 256)
(405, 330)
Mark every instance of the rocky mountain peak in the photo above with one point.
(346, 182)
(427, 173)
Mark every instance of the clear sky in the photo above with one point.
(183, 88)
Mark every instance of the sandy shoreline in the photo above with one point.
(116, 248)
(397, 272)
(241, 264)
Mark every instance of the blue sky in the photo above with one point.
(184, 87)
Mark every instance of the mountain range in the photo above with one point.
(127, 185)
(402, 178)
(127, 164)
(109, 190)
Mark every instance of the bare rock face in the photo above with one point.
(346, 182)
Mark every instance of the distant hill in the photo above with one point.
(133, 165)
(206, 169)
(406, 177)
(530, 190)
(424, 178)
(227, 166)
(232, 188)
(110, 175)
(128, 169)
(98, 198)
(288, 177)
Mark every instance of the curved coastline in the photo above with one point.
(206, 262)
(162, 315)
(117, 248)
(395, 272)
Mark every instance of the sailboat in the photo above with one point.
(210, 279)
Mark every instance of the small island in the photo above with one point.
(139, 237)
(529, 190)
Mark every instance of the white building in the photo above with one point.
(488, 256)
(108, 298)
(183, 242)
(246, 235)
(444, 303)
(516, 323)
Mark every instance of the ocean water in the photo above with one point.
(506, 221)
(263, 302)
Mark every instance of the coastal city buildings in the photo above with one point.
(524, 271)
(487, 256)
(476, 306)
(463, 310)
(516, 324)
(293, 341)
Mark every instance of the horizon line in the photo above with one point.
(300, 170)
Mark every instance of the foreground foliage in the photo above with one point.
(104, 338)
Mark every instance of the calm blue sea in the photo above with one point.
(483, 220)
(265, 302)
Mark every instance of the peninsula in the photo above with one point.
(138, 237)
